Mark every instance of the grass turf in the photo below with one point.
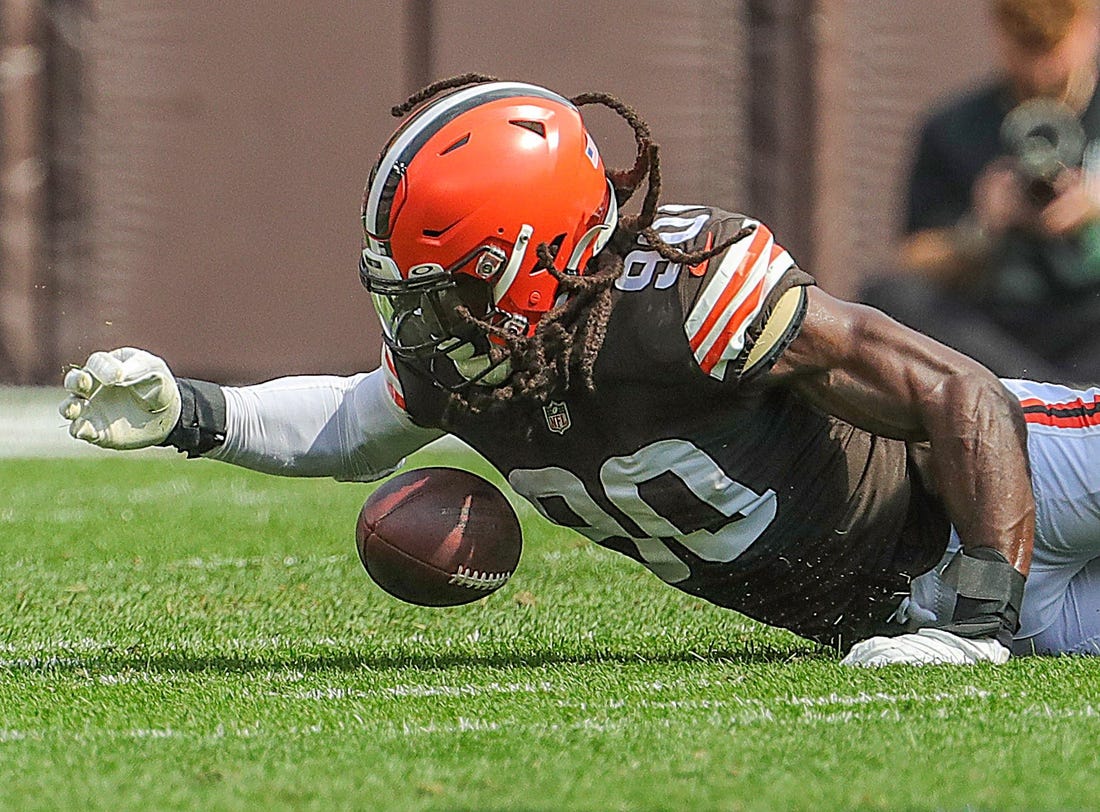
(180, 635)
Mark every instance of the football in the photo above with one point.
(438, 537)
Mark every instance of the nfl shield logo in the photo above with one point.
(557, 417)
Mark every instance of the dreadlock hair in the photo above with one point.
(435, 88)
(568, 339)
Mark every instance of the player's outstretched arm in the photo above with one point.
(858, 364)
(320, 425)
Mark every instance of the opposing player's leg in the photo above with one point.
(1064, 582)
(1060, 612)
(1076, 625)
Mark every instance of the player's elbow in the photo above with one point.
(977, 404)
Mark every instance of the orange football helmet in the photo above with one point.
(462, 195)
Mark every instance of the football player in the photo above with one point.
(673, 386)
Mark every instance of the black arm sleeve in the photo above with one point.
(201, 426)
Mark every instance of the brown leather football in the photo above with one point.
(438, 537)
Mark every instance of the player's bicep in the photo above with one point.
(858, 364)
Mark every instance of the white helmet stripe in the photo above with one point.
(421, 127)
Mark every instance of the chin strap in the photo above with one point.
(989, 591)
(201, 426)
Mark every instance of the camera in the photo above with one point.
(1045, 137)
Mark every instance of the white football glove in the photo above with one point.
(926, 647)
(122, 399)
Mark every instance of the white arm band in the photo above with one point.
(319, 425)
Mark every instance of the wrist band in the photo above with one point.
(201, 425)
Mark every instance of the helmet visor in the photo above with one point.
(426, 321)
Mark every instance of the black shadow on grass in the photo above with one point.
(110, 661)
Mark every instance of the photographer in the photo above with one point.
(1002, 231)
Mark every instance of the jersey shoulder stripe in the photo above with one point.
(718, 322)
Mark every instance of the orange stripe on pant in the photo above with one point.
(1073, 414)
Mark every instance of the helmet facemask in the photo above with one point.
(435, 314)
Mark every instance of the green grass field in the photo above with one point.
(186, 635)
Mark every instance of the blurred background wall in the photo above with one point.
(186, 177)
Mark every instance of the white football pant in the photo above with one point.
(1061, 607)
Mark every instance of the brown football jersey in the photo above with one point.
(685, 459)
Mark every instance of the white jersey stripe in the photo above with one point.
(733, 278)
(723, 326)
(736, 344)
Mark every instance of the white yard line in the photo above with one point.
(30, 425)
